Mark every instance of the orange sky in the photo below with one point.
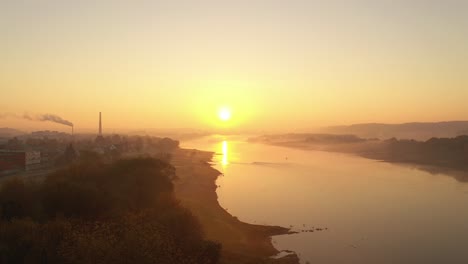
(278, 65)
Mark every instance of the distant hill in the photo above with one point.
(10, 132)
(419, 131)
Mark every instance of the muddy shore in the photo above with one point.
(241, 242)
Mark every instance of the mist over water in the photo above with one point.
(375, 212)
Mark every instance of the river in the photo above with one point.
(370, 211)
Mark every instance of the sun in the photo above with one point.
(224, 114)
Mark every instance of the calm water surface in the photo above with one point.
(375, 212)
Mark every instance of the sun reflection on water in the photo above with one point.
(225, 161)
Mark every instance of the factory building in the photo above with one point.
(16, 160)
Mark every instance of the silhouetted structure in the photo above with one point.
(70, 154)
(15, 160)
(100, 124)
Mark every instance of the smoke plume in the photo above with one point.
(46, 117)
(55, 119)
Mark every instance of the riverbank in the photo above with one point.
(375, 151)
(437, 156)
(241, 242)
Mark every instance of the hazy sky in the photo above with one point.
(277, 64)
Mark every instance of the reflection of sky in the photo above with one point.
(376, 212)
(358, 199)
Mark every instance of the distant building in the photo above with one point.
(49, 134)
(33, 159)
(14, 160)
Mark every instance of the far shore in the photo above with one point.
(241, 242)
(365, 150)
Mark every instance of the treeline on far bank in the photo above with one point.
(95, 212)
(448, 153)
(443, 152)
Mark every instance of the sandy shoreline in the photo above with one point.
(196, 189)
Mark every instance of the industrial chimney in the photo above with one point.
(100, 124)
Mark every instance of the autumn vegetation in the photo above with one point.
(98, 212)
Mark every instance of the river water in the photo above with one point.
(374, 212)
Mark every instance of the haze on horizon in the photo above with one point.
(275, 64)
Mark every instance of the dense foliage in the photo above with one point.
(93, 212)
(446, 152)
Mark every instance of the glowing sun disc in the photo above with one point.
(224, 114)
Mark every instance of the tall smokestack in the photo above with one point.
(100, 124)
